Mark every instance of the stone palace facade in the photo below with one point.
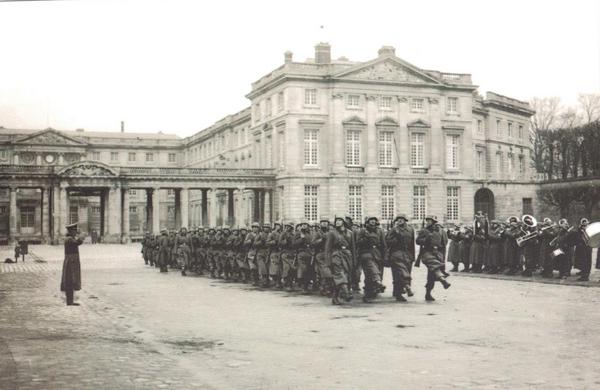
(320, 137)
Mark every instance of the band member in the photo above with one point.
(564, 241)
(433, 240)
(511, 249)
(339, 250)
(530, 247)
(400, 241)
(478, 248)
(496, 248)
(465, 247)
(454, 238)
(583, 253)
(71, 271)
(547, 233)
(371, 247)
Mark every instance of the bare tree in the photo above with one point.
(590, 106)
(543, 121)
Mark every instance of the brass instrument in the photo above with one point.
(530, 222)
(591, 235)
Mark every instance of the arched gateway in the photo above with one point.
(484, 201)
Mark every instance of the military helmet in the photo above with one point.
(226, 227)
(432, 217)
(255, 224)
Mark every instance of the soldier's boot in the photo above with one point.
(183, 271)
(345, 294)
(454, 267)
(445, 283)
(409, 291)
(466, 269)
(428, 296)
(400, 298)
(266, 281)
(335, 299)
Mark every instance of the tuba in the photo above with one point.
(530, 222)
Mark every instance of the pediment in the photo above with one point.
(87, 169)
(386, 121)
(419, 123)
(49, 137)
(355, 121)
(391, 69)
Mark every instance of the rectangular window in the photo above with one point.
(282, 150)
(311, 208)
(419, 202)
(131, 157)
(452, 151)
(355, 203)
(132, 209)
(387, 203)
(3, 154)
(499, 164)
(452, 203)
(479, 126)
(452, 105)
(311, 147)
(96, 156)
(498, 128)
(280, 101)
(510, 130)
(353, 147)
(386, 145)
(170, 192)
(310, 97)
(417, 150)
(480, 164)
(385, 102)
(73, 214)
(268, 108)
(520, 131)
(95, 209)
(417, 105)
(353, 101)
(527, 206)
(132, 192)
(27, 217)
(173, 156)
(3, 210)
(521, 166)
(114, 156)
(149, 157)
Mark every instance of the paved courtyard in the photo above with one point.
(139, 329)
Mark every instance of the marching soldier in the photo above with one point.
(302, 243)
(288, 256)
(454, 236)
(511, 249)
(339, 250)
(401, 244)
(71, 270)
(275, 255)
(225, 253)
(249, 243)
(322, 266)
(355, 268)
(242, 252)
(480, 232)
(371, 248)
(146, 248)
(262, 254)
(433, 240)
(465, 248)
(210, 252)
(583, 253)
(164, 251)
(183, 256)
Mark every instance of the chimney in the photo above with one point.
(386, 51)
(323, 53)
(288, 57)
(122, 126)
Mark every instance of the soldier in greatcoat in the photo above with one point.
(401, 245)
(433, 241)
(339, 250)
(275, 255)
(164, 251)
(371, 248)
(302, 243)
(288, 255)
(322, 265)
(71, 271)
(262, 254)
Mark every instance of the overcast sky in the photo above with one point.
(179, 66)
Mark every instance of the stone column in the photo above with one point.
(64, 207)
(149, 210)
(267, 206)
(156, 210)
(12, 222)
(204, 208)
(212, 213)
(370, 142)
(103, 213)
(256, 207)
(240, 212)
(125, 218)
(114, 213)
(336, 138)
(184, 205)
(230, 208)
(45, 214)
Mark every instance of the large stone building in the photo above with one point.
(321, 137)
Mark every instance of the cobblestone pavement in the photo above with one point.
(139, 329)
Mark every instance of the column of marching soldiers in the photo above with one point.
(331, 257)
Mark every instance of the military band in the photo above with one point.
(332, 257)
